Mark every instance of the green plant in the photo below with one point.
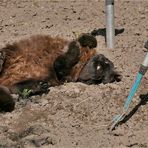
(25, 93)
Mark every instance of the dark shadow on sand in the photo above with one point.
(102, 32)
(143, 101)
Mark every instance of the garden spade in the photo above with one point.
(142, 70)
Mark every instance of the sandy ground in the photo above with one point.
(75, 115)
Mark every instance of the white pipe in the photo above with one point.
(145, 62)
(110, 29)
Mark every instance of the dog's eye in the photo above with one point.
(98, 67)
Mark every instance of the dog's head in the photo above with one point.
(98, 70)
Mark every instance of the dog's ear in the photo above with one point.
(87, 40)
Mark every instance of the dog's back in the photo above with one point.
(31, 58)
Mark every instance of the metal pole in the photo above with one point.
(110, 29)
(145, 62)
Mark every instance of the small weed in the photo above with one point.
(25, 93)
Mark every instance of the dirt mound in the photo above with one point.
(75, 114)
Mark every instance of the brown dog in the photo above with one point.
(42, 61)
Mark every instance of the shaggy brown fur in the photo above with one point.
(42, 61)
(31, 58)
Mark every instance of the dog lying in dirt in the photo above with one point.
(41, 61)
